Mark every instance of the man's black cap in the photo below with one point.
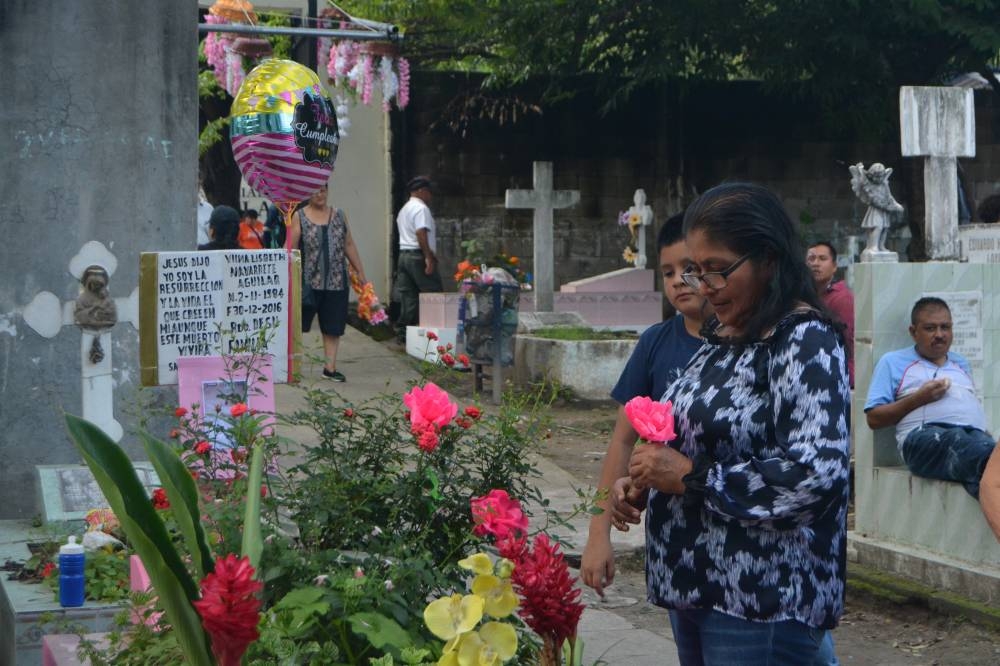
(418, 183)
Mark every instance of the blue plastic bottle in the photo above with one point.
(71, 560)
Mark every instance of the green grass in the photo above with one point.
(581, 333)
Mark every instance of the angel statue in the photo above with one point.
(872, 188)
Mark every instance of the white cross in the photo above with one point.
(543, 199)
(46, 316)
(940, 124)
(645, 214)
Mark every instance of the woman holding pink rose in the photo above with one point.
(746, 522)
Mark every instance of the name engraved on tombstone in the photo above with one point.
(979, 243)
(210, 304)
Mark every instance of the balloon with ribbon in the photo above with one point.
(283, 129)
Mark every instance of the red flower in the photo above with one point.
(202, 447)
(160, 500)
(449, 346)
(239, 409)
(463, 422)
(431, 335)
(48, 569)
(229, 609)
(549, 599)
(497, 514)
(238, 456)
(180, 412)
(427, 437)
(440, 349)
(431, 405)
(349, 413)
(174, 433)
(448, 359)
(263, 490)
(464, 360)
(473, 412)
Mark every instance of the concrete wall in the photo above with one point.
(930, 530)
(672, 144)
(99, 138)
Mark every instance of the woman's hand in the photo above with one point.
(627, 503)
(661, 467)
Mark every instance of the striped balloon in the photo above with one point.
(283, 130)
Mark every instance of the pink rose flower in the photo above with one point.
(430, 405)
(654, 421)
(497, 514)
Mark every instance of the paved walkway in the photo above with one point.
(373, 368)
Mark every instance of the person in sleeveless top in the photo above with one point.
(322, 234)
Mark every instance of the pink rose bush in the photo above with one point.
(497, 514)
(654, 421)
(430, 410)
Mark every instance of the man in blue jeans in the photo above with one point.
(927, 393)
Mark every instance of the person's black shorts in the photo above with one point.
(331, 307)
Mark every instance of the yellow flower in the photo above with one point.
(450, 616)
(505, 568)
(493, 644)
(629, 255)
(498, 595)
(634, 220)
(448, 659)
(480, 563)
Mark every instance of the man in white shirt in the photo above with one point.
(416, 269)
(927, 393)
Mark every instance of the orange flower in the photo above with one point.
(514, 260)
(239, 409)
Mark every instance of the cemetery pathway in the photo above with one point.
(623, 629)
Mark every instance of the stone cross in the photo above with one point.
(645, 214)
(543, 199)
(46, 316)
(940, 124)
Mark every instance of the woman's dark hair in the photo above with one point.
(750, 219)
(225, 226)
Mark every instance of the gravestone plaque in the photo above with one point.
(979, 243)
(216, 303)
(70, 491)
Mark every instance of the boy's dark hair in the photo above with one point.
(989, 209)
(828, 245)
(225, 226)
(251, 213)
(671, 232)
(926, 303)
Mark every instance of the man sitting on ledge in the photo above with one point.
(927, 392)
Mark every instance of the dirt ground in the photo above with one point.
(872, 631)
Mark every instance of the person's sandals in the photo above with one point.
(336, 375)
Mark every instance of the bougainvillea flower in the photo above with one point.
(430, 404)
(180, 412)
(229, 608)
(473, 412)
(239, 409)
(448, 617)
(160, 500)
(549, 600)
(497, 514)
(480, 563)
(654, 421)
(498, 594)
(202, 447)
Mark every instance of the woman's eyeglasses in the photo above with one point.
(714, 280)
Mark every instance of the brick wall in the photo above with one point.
(671, 144)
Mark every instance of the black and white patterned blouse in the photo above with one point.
(312, 251)
(763, 535)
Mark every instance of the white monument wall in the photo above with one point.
(929, 530)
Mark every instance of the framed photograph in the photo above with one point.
(204, 383)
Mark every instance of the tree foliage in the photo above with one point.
(846, 54)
